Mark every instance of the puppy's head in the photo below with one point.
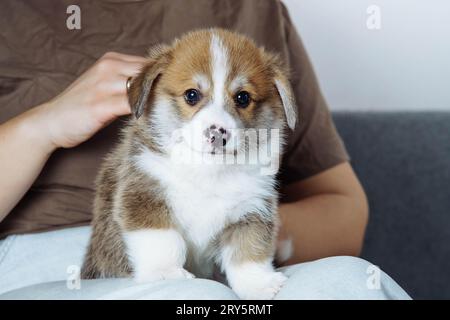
(209, 87)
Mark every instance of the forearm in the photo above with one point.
(24, 149)
(323, 225)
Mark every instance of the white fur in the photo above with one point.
(156, 254)
(219, 67)
(164, 133)
(252, 280)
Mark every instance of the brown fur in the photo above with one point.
(138, 194)
(253, 238)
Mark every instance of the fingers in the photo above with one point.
(115, 70)
(115, 63)
(110, 109)
(109, 67)
(124, 57)
(130, 69)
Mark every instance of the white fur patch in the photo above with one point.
(219, 67)
(156, 254)
(164, 124)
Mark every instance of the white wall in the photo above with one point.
(403, 65)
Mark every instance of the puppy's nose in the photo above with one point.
(217, 136)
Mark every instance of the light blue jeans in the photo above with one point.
(46, 265)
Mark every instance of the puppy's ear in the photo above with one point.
(284, 89)
(287, 98)
(141, 85)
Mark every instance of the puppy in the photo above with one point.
(159, 212)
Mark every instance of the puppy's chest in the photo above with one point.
(204, 205)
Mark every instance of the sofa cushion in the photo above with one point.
(403, 162)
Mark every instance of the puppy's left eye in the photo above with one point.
(192, 96)
(242, 99)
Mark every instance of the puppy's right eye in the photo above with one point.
(192, 96)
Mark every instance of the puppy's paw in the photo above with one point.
(166, 274)
(262, 287)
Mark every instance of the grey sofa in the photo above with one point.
(403, 161)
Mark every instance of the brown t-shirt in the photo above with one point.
(40, 56)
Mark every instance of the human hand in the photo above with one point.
(91, 102)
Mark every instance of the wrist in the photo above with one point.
(35, 127)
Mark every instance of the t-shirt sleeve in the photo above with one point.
(314, 145)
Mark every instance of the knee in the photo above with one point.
(349, 264)
(339, 278)
(328, 278)
(344, 270)
(332, 266)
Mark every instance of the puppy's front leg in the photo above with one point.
(247, 250)
(155, 249)
(156, 254)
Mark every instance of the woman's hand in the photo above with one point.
(95, 99)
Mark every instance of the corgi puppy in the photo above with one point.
(191, 187)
